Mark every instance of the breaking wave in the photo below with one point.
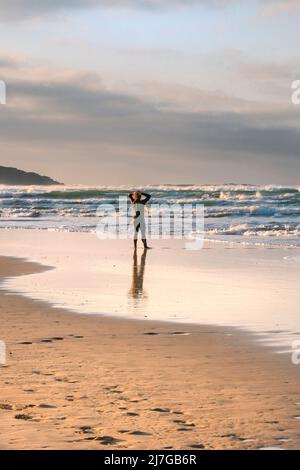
(231, 211)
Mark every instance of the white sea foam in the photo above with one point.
(248, 211)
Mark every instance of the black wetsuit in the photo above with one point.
(139, 217)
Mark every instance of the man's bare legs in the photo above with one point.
(144, 240)
(146, 247)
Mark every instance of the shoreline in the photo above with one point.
(92, 382)
(253, 289)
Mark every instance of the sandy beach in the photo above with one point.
(149, 228)
(78, 381)
(225, 284)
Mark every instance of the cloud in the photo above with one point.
(246, 84)
(76, 109)
(27, 9)
(278, 7)
(24, 9)
(7, 62)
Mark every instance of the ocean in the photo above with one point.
(260, 215)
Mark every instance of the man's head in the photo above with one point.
(137, 195)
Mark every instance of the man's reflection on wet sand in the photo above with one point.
(136, 292)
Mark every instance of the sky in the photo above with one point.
(115, 92)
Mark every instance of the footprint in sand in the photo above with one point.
(230, 436)
(6, 406)
(69, 398)
(51, 340)
(24, 407)
(46, 405)
(22, 416)
(10, 407)
(161, 410)
(245, 440)
(166, 410)
(108, 440)
(64, 379)
(110, 387)
(184, 423)
(86, 430)
(140, 433)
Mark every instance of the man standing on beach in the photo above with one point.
(139, 200)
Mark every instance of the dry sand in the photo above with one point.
(90, 382)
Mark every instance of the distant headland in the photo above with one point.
(16, 177)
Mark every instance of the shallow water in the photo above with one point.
(256, 290)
